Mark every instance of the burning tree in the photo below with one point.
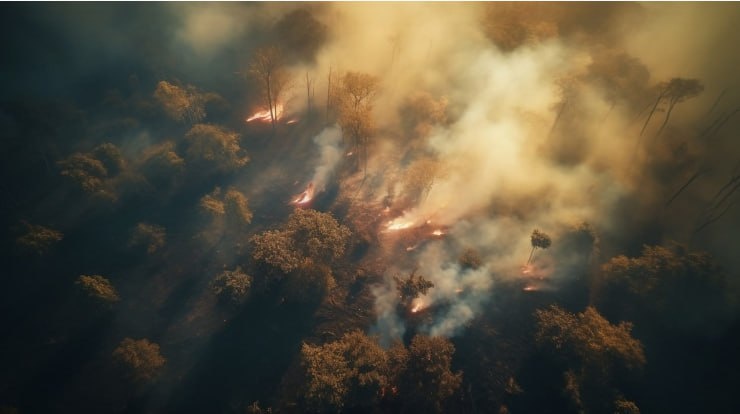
(412, 287)
(268, 70)
(539, 240)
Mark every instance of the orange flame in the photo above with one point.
(417, 305)
(305, 197)
(398, 224)
(264, 115)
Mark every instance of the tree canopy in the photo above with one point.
(39, 238)
(140, 359)
(98, 288)
(232, 286)
(412, 287)
(307, 235)
(152, 236)
(215, 146)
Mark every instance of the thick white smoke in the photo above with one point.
(331, 153)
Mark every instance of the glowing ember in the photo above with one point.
(292, 121)
(304, 197)
(527, 270)
(412, 248)
(349, 154)
(264, 116)
(529, 288)
(438, 232)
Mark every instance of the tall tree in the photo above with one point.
(428, 380)
(353, 100)
(595, 352)
(673, 92)
(269, 71)
(539, 240)
(412, 287)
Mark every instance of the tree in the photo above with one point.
(216, 146)
(353, 101)
(236, 209)
(300, 34)
(349, 372)
(673, 92)
(470, 259)
(419, 177)
(232, 205)
(589, 338)
(268, 70)
(161, 163)
(420, 111)
(181, 103)
(511, 25)
(111, 157)
(140, 359)
(212, 204)
(428, 380)
(39, 238)
(84, 170)
(539, 240)
(666, 287)
(411, 288)
(99, 288)
(307, 235)
(596, 351)
(150, 235)
(91, 171)
(232, 286)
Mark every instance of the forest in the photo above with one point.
(276, 207)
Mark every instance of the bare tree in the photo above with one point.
(268, 69)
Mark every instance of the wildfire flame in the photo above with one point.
(305, 197)
(264, 115)
(438, 232)
(418, 305)
(398, 224)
